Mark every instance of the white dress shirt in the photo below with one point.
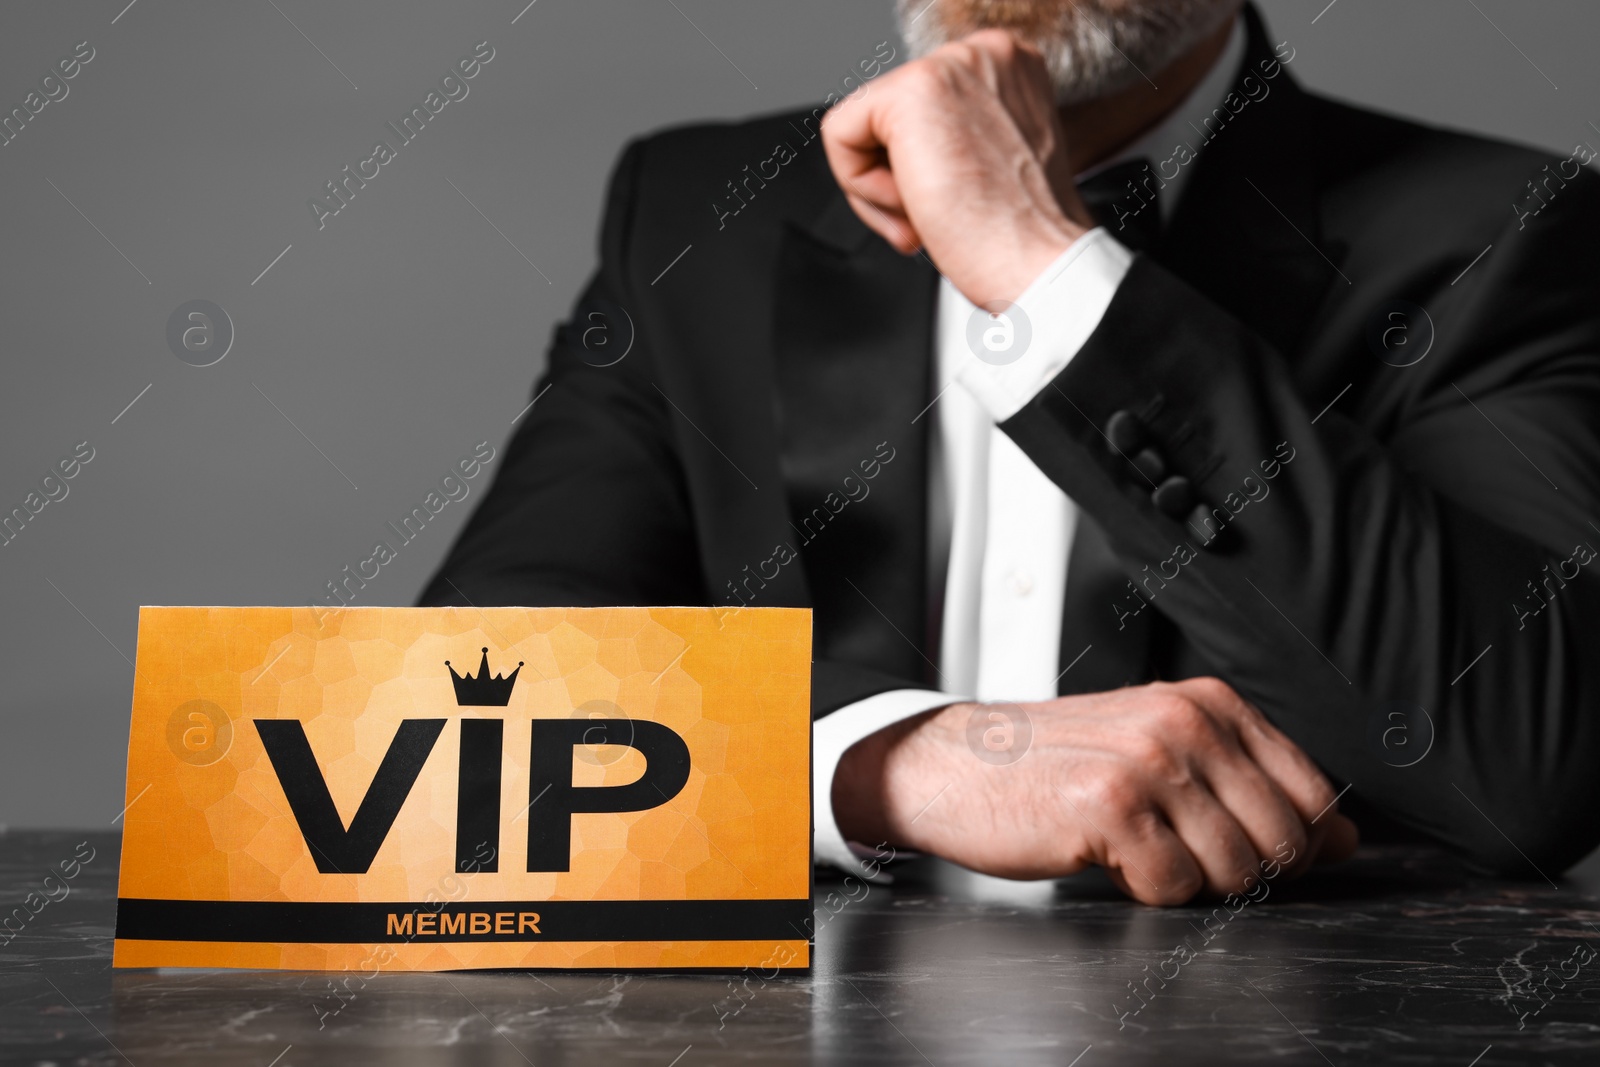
(1001, 530)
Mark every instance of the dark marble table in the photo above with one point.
(1394, 958)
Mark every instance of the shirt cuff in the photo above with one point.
(831, 736)
(1058, 311)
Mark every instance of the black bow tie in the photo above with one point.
(1122, 198)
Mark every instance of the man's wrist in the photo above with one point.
(876, 779)
(860, 784)
(1064, 304)
(832, 736)
(1036, 243)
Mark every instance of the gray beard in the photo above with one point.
(1092, 48)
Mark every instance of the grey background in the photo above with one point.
(408, 329)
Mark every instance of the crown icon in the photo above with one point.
(480, 690)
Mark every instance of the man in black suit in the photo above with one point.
(1215, 436)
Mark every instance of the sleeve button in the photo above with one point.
(1174, 497)
(1126, 433)
(1150, 464)
(1204, 525)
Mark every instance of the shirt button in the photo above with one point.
(1021, 583)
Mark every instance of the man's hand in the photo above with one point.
(961, 153)
(1173, 788)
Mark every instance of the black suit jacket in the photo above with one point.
(776, 347)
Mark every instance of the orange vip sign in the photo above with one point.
(445, 788)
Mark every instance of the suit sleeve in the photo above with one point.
(1439, 552)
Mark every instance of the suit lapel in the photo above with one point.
(852, 340)
(1247, 232)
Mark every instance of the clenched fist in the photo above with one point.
(960, 154)
(1173, 788)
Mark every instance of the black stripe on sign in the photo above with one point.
(362, 923)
